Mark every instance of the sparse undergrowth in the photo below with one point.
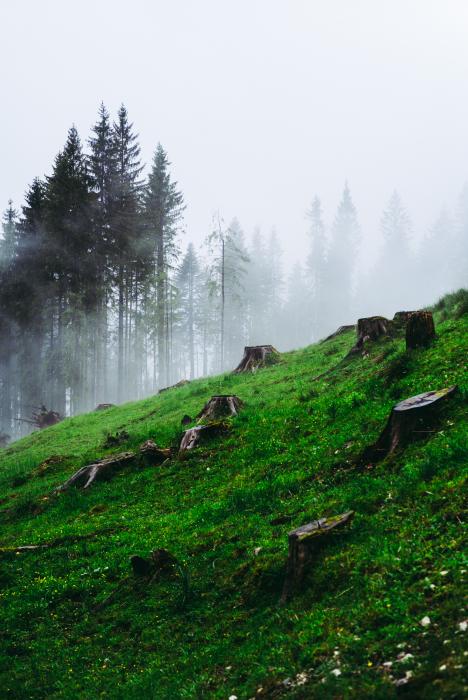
(214, 628)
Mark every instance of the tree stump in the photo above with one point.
(369, 329)
(44, 418)
(420, 330)
(339, 331)
(193, 436)
(182, 382)
(408, 419)
(159, 561)
(219, 407)
(104, 406)
(400, 319)
(302, 544)
(256, 356)
(100, 470)
(152, 454)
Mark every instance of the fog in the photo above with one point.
(262, 107)
(260, 104)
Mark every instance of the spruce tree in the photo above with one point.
(163, 210)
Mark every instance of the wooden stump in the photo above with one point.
(219, 407)
(400, 319)
(104, 406)
(159, 561)
(182, 382)
(407, 420)
(256, 356)
(152, 454)
(339, 331)
(193, 436)
(369, 329)
(420, 330)
(100, 470)
(302, 544)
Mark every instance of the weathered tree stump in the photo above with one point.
(400, 319)
(44, 418)
(339, 331)
(100, 470)
(369, 329)
(104, 406)
(219, 407)
(152, 454)
(159, 561)
(193, 436)
(182, 382)
(407, 420)
(115, 440)
(302, 544)
(420, 330)
(256, 356)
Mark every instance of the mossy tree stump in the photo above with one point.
(370, 329)
(256, 356)
(408, 419)
(220, 407)
(152, 454)
(420, 330)
(303, 542)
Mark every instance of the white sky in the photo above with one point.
(261, 104)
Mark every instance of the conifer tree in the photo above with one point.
(163, 210)
(315, 266)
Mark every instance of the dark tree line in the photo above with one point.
(99, 304)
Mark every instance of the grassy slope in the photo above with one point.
(286, 455)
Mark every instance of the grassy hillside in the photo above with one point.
(214, 627)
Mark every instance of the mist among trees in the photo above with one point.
(103, 298)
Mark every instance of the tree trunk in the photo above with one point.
(219, 407)
(407, 420)
(303, 542)
(256, 356)
(420, 329)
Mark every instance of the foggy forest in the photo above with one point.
(104, 299)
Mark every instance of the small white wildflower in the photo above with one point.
(228, 668)
(336, 672)
(257, 550)
(432, 586)
(463, 625)
(402, 658)
(426, 621)
(387, 664)
(233, 697)
(447, 641)
(444, 572)
(443, 667)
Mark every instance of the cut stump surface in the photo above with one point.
(407, 419)
(302, 543)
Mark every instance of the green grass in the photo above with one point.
(215, 627)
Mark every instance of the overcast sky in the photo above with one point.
(261, 104)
